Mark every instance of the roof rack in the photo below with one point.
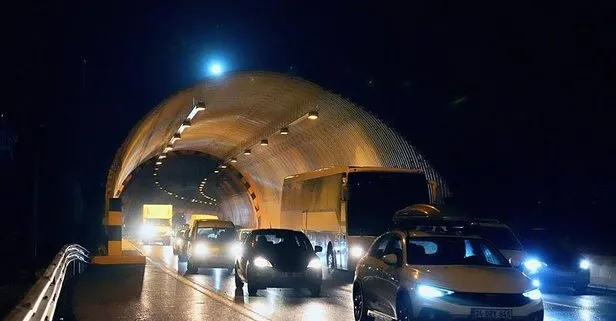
(427, 218)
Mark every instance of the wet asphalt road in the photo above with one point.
(335, 302)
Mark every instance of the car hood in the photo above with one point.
(288, 261)
(474, 278)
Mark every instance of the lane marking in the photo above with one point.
(243, 310)
(563, 305)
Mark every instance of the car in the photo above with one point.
(278, 258)
(409, 274)
(211, 244)
(555, 262)
(180, 241)
(244, 233)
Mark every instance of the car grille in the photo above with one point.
(487, 299)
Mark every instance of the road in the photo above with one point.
(335, 301)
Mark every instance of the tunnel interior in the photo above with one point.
(261, 127)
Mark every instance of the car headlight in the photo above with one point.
(147, 231)
(536, 283)
(429, 292)
(534, 294)
(357, 251)
(533, 265)
(262, 263)
(200, 249)
(236, 249)
(584, 264)
(314, 263)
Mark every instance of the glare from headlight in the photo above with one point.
(584, 264)
(314, 263)
(147, 231)
(178, 242)
(236, 249)
(262, 263)
(429, 292)
(200, 249)
(536, 283)
(533, 294)
(533, 265)
(357, 251)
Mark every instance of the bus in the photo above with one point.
(343, 209)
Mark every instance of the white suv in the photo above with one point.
(415, 275)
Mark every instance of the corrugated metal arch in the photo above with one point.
(244, 108)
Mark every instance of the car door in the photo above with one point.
(389, 277)
(374, 287)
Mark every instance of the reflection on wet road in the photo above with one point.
(335, 301)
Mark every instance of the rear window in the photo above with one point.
(284, 240)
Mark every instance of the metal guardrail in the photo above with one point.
(40, 302)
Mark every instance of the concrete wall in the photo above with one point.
(603, 271)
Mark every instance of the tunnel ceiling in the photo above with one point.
(244, 108)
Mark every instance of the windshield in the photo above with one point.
(157, 221)
(282, 240)
(374, 197)
(502, 237)
(453, 251)
(216, 234)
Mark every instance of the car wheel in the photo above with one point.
(252, 289)
(360, 312)
(238, 281)
(190, 268)
(315, 290)
(404, 310)
(331, 261)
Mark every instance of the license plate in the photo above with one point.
(492, 314)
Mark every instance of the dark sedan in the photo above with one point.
(278, 258)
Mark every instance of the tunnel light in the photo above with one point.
(159, 163)
(185, 124)
(216, 171)
(155, 168)
(162, 156)
(175, 138)
(233, 160)
(313, 114)
(247, 152)
(182, 197)
(284, 131)
(169, 193)
(223, 166)
(200, 106)
(155, 174)
(264, 142)
(168, 148)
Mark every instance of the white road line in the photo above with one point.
(249, 313)
(563, 305)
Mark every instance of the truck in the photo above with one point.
(156, 225)
(343, 209)
(200, 216)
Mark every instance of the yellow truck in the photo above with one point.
(200, 216)
(156, 225)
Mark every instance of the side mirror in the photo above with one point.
(318, 249)
(515, 262)
(390, 259)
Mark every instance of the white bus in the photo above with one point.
(343, 209)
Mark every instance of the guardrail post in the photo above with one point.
(114, 227)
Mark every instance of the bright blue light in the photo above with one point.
(216, 69)
(533, 265)
(536, 283)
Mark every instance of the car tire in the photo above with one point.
(252, 289)
(315, 290)
(190, 268)
(404, 308)
(360, 312)
(238, 281)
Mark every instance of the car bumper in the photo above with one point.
(270, 277)
(213, 261)
(437, 309)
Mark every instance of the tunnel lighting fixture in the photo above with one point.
(155, 174)
(162, 156)
(182, 197)
(264, 142)
(313, 114)
(175, 138)
(200, 106)
(155, 168)
(185, 124)
(159, 163)
(247, 152)
(168, 148)
(284, 131)
(169, 193)
(216, 171)
(223, 166)
(233, 160)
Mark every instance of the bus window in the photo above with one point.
(374, 197)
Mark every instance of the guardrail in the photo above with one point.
(40, 302)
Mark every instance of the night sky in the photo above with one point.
(511, 103)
